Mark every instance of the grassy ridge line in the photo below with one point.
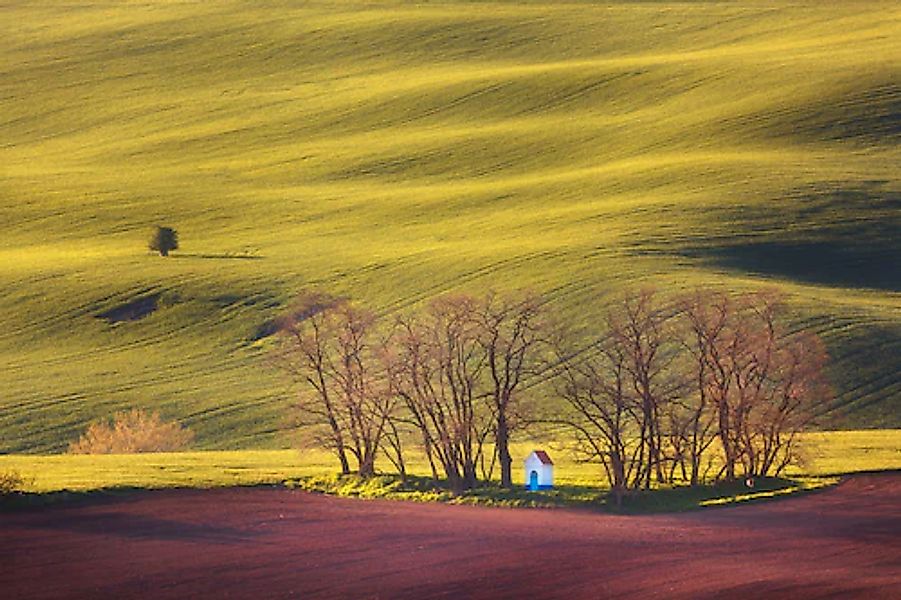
(392, 153)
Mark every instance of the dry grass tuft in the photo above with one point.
(130, 432)
(10, 481)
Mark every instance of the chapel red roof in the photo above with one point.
(543, 457)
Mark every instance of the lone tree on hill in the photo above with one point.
(163, 240)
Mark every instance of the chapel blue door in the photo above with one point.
(533, 481)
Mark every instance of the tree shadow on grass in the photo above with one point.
(682, 498)
(222, 256)
(588, 497)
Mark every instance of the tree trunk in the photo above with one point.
(367, 467)
(695, 468)
(340, 450)
(469, 475)
(503, 451)
(342, 456)
(427, 445)
(726, 441)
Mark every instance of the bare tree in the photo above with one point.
(756, 386)
(399, 425)
(667, 383)
(511, 332)
(597, 411)
(435, 368)
(638, 327)
(329, 346)
(800, 390)
(706, 314)
(779, 382)
(365, 401)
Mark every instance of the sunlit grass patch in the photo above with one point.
(836, 452)
(763, 491)
(80, 473)
(579, 485)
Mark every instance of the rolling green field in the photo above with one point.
(392, 152)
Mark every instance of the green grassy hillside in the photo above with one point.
(392, 152)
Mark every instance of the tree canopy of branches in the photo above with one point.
(512, 333)
(449, 373)
(762, 382)
(330, 347)
(436, 368)
(703, 386)
(709, 380)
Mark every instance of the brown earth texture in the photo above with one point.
(274, 543)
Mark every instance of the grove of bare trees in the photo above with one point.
(707, 386)
(694, 388)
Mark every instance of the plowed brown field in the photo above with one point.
(273, 543)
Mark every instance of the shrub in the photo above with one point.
(163, 240)
(132, 431)
(10, 481)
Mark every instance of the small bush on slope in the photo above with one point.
(10, 481)
(132, 431)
